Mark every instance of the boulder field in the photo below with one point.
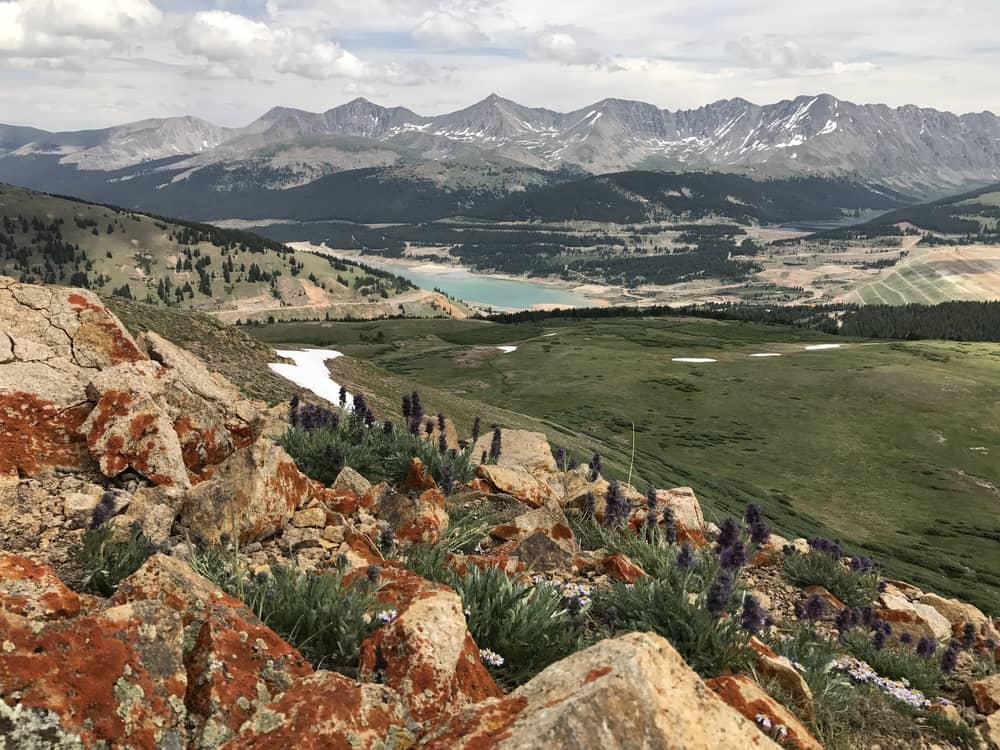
(94, 420)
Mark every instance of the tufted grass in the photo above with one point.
(817, 568)
(529, 626)
(108, 557)
(898, 663)
(673, 606)
(321, 614)
(322, 452)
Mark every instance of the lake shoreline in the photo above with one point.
(589, 294)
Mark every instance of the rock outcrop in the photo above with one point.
(629, 692)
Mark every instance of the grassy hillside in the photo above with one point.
(224, 348)
(228, 273)
(889, 446)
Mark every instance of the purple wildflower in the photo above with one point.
(561, 458)
(752, 514)
(429, 427)
(441, 423)
(293, 410)
(343, 396)
(729, 533)
(615, 505)
(496, 446)
(827, 546)
(969, 635)
(596, 465)
(814, 608)
(313, 417)
(862, 564)
(753, 616)
(760, 532)
(103, 510)
(734, 557)
(949, 661)
(844, 620)
(387, 427)
(717, 598)
(407, 407)
(373, 573)
(476, 430)
(685, 558)
(669, 525)
(416, 408)
(926, 647)
(906, 637)
(878, 640)
(442, 443)
(447, 479)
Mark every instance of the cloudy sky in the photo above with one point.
(68, 64)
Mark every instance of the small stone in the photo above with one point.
(310, 518)
(334, 534)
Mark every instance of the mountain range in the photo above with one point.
(922, 152)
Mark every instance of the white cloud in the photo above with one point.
(562, 47)
(222, 37)
(59, 28)
(776, 53)
(319, 60)
(448, 30)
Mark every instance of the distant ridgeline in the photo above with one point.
(973, 216)
(950, 321)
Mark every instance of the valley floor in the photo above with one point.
(890, 446)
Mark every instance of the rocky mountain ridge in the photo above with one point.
(132, 444)
(909, 148)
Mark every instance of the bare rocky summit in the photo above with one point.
(911, 148)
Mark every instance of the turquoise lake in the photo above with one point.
(511, 294)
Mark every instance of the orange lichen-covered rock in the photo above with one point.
(251, 495)
(34, 591)
(541, 538)
(418, 478)
(114, 677)
(414, 519)
(427, 655)
(781, 670)
(52, 339)
(621, 568)
(746, 696)
(344, 502)
(36, 434)
(235, 663)
(624, 693)
(128, 431)
(986, 694)
(327, 711)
